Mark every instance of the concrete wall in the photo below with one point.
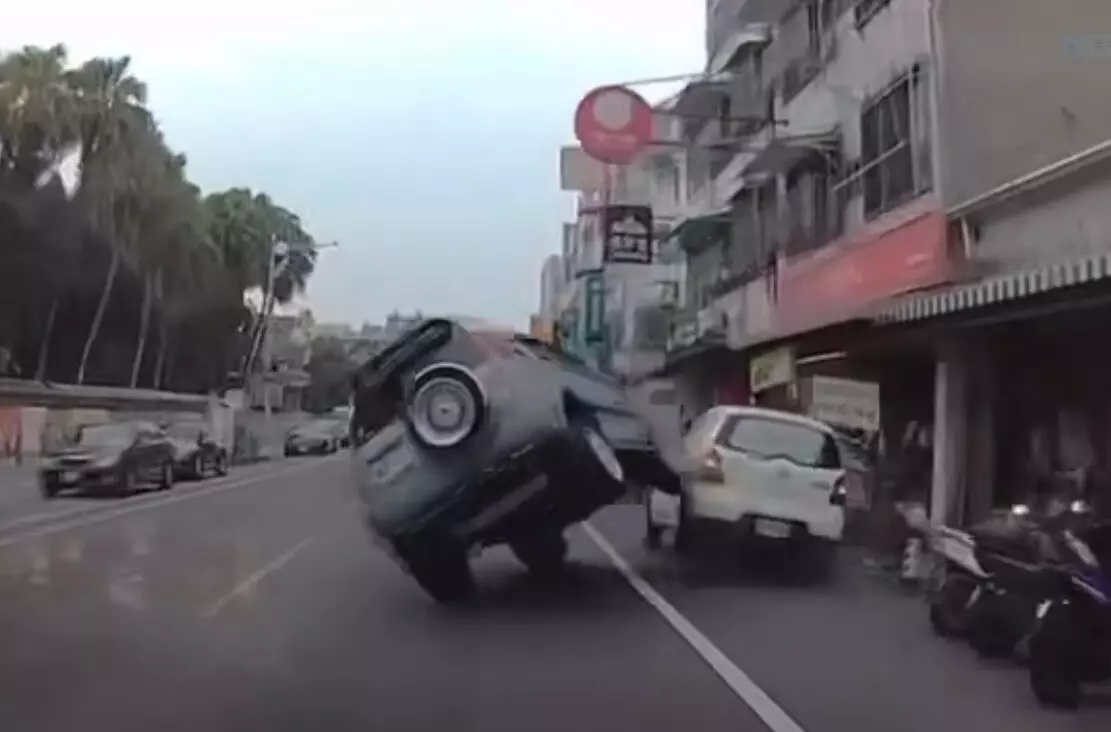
(1066, 219)
(1023, 84)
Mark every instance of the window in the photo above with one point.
(887, 147)
(816, 211)
(778, 438)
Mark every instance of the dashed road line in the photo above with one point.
(252, 580)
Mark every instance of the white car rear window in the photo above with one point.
(776, 438)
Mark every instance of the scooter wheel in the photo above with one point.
(948, 604)
(1054, 687)
(1052, 678)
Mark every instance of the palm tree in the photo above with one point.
(183, 261)
(116, 133)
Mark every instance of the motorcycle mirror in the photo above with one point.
(1020, 509)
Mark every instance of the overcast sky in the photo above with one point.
(422, 135)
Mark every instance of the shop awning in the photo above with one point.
(782, 153)
(994, 290)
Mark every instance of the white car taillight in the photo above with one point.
(447, 405)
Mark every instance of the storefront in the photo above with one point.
(1023, 398)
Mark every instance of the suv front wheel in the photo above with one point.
(542, 555)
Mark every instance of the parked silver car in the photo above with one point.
(466, 438)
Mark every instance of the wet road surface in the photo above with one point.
(255, 602)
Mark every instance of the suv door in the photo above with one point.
(786, 468)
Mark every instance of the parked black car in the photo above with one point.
(196, 454)
(470, 438)
(319, 437)
(115, 456)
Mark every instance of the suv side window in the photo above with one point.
(779, 438)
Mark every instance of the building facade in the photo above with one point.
(612, 307)
(862, 175)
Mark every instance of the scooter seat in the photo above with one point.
(1003, 536)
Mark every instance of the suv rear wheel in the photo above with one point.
(543, 555)
(441, 570)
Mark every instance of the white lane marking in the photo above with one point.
(737, 680)
(111, 514)
(41, 516)
(248, 583)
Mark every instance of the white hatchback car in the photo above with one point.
(758, 474)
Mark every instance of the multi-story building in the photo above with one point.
(551, 281)
(613, 312)
(866, 179)
(285, 350)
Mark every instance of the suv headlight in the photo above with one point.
(447, 405)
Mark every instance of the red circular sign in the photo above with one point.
(613, 124)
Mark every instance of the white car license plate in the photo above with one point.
(772, 529)
(663, 508)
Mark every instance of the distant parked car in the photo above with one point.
(318, 437)
(196, 454)
(115, 456)
(467, 438)
(761, 476)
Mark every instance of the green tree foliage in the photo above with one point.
(330, 367)
(125, 273)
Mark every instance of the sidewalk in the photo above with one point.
(17, 484)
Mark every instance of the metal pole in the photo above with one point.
(607, 200)
(267, 353)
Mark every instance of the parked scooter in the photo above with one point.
(984, 586)
(1071, 642)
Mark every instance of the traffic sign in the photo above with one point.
(613, 124)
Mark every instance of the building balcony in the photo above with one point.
(743, 36)
(695, 329)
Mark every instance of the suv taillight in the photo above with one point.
(840, 492)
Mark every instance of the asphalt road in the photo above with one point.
(255, 602)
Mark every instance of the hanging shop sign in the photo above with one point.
(771, 369)
(836, 281)
(613, 124)
(845, 402)
(595, 319)
(627, 233)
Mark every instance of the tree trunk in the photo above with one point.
(98, 317)
(144, 326)
(44, 347)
